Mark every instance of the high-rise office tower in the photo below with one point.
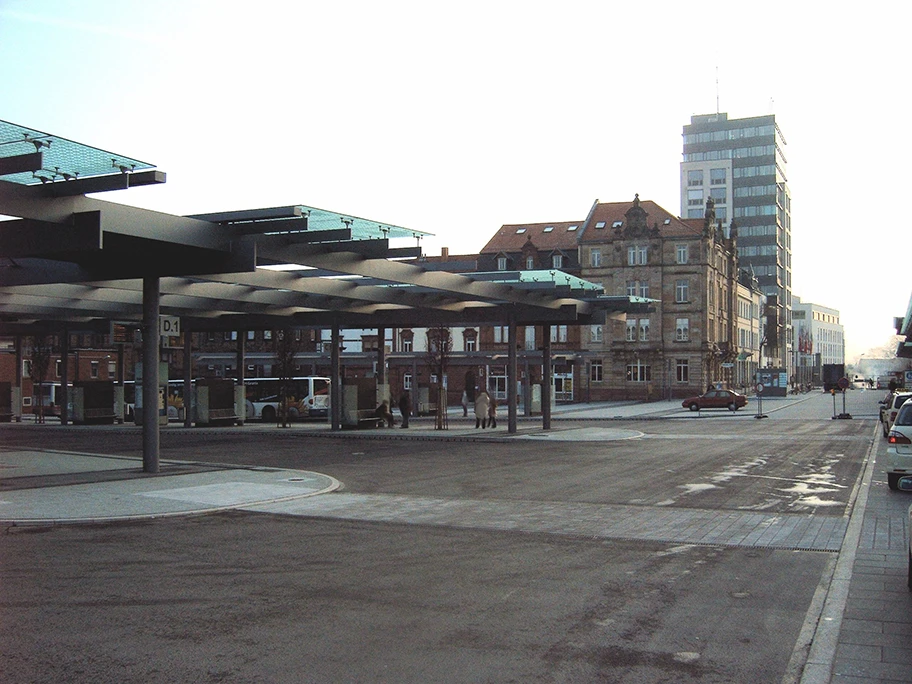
(740, 165)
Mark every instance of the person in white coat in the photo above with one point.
(482, 405)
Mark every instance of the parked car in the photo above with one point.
(716, 399)
(909, 528)
(899, 451)
(889, 407)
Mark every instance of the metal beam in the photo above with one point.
(21, 163)
(40, 239)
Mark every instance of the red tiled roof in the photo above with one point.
(545, 236)
(609, 214)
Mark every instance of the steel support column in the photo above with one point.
(64, 398)
(241, 361)
(150, 356)
(512, 373)
(547, 380)
(335, 380)
(188, 378)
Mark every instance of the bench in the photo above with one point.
(367, 418)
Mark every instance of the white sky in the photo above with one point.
(455, 118)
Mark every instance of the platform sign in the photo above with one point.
(169, 326)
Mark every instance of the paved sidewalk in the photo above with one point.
(91, 488)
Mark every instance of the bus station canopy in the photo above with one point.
(75, 261)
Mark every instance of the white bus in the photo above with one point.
(307, 396)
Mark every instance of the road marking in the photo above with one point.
(599, 521)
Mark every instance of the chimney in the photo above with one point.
(444, 253)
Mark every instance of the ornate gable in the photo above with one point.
(637, 223)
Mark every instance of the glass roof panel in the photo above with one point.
(62, 159)
(550, 276)
(362, 229)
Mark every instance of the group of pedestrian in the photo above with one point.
(485, 410)
(405, 408)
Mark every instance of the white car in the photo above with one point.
(889, 408)
(899, 451)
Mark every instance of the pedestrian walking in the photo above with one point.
(482, 404)
(405, 408)
(492, 412)
(465, 404)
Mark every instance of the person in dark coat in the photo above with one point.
(492, 412)
(405, 408)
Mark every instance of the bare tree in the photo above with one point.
(42, 349)
(285, 366)
(439, 352)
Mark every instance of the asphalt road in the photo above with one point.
(448, 561)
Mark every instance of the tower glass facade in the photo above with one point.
(741, 165)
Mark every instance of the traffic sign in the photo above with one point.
(760, 388)
(843, 383)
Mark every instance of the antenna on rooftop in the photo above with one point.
(717, 89)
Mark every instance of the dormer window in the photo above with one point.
(557, 260)
(501, 263)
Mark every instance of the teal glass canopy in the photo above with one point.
(60, 159)
(361, 229)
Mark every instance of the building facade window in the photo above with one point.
(682, 291)
(644, 330)
(558, 333)
(407, 345)
(595, 370)
(717, 176)
(637, 288)
(407, 381)
(530, 263)
(682, 329)
(681, 254)
(695, 177)
(682, 370)
(501, 263)
(501, 334)
(557, 261)
(595, 258)
(595, 333)
(93, 369)
(637, 372)
(637, 255)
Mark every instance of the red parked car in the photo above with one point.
(716, 399)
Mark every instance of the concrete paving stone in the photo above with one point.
(859, 652)
(893, 654)
(868, 638)
(878, 672)
(870, 626)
